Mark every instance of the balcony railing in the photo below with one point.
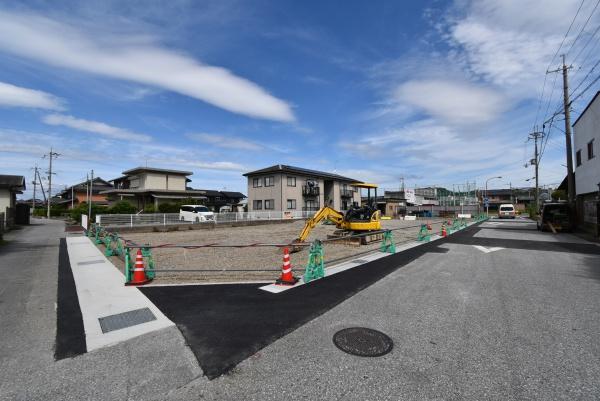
(307, 190)
(310, 209)
(346, 193)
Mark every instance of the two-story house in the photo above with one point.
(289, 188)
(143, 186)
(586, 145)
(74, 195)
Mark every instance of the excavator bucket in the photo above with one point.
(296, 247)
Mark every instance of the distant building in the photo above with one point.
(142, 186)
(520, 197)
(289, 188)
(586, 138)
(217, 200)
(78, 193)
(10, 186)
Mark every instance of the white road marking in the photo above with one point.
(488, 250)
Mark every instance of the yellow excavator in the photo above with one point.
(358, 219)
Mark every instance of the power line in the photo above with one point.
(552, 60)
(583, 27)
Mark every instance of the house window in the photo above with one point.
(578, 158)
(257, 183)
(291, 182)
(269, 181)
(269, 204)
(291, 203)
(257, 205)
(590, 149)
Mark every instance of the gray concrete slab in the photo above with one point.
(136, 369)
(515, 324)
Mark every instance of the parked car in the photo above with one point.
(506, 211)
(195, 213)
(558, 214)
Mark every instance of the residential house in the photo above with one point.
(10, 186)
(586, 145)
(143, 186)
(79, 193)
(289, 188)
(215, 200)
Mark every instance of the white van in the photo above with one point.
(506, 211)
(195, 213)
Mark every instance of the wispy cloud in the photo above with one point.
(233, 142)
(225, 141)
(16, 96)
(460, 103)
(137, 59)
(95, 127)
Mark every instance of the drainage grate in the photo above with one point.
(361, 261)
(90, 262)
(363, 342)
(126, 319)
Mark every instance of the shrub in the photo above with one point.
(122, 207)
(169, 207)
(149, 208)
(83, 208)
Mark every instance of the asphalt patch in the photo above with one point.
(225, 324)
(70, 334)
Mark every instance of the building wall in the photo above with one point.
(280, 192)
(587, 176)
(6, 201)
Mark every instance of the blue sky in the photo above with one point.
(439, 92)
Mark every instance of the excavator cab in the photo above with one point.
(363, 213)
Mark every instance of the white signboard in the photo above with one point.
(84, 221)
(410, 196)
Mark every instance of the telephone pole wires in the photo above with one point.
(51, 155)
(536, 161)
(567, 110)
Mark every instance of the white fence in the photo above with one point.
(154, 219)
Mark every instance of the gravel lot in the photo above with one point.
(255, 263)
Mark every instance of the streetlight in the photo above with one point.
(487, 207)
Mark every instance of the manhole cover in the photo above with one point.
(363, 342)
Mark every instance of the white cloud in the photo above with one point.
(456, 102)
(225, 141)
(136, 59)
(95, 127)
(16, 96)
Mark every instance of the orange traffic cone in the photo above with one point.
(444, 233)
(287, 278)
(139, 274)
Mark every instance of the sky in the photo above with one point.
(429, 92)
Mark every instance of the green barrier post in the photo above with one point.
(388, 245)
(316, 265)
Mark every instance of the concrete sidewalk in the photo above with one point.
(137, 369)
(102, 294)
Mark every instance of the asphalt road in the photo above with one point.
(499, 312)
(137, 369)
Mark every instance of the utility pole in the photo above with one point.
(41, 183)
(91, 199)
(536, 161)
(567, 111)
(51, 155)
(34, 184)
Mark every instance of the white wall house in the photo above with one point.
(586, 140)
(10, 186)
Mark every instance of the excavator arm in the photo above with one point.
(324, 213)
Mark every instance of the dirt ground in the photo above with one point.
(177, 265)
